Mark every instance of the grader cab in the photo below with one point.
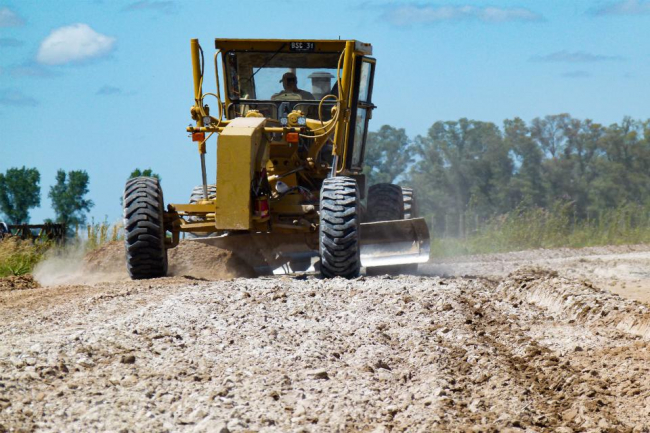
(289, 190)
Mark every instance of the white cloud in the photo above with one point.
(406, 15)
(31, 70)
(73, 44)
(16, 98)
(8, 18)
(166, 7)
(576, 57)
(493, 14)
(625, 7)
(109, 90)
(576, 74)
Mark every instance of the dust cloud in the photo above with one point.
(69, 265)
(74, 265)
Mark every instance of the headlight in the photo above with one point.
(284, 121)
(302, 121)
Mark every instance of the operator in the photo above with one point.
(290, 83)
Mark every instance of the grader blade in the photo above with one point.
(399, 242)
(267, 253)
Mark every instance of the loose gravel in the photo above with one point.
(531, 351)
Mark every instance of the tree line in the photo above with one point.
(466, 172)
(20, 191)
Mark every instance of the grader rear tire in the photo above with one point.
(385, 203)
(389, 202)
(339, 229)
(410, 203)
(144, 237)
(411, 210)
(197, 194)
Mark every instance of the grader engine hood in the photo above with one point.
(241, 150)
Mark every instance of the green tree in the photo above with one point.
(582, 150)
(469, 164)
(559, 138)
(429, 177)
(468, 172)
(20, 191)
(146, 172)
(623, 166)
(67, 197)
(388, 155)
(549, 133)
(527, 186)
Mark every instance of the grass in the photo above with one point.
(522, 229)
(18, 257)
(541, 228)
(102, 233)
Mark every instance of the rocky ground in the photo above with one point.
(623, 269)
(496, 343)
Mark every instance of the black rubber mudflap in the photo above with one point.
(339, 228)
(144, 234)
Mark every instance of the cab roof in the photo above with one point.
(291, 45)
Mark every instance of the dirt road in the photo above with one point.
(531, 350)
(621, 269)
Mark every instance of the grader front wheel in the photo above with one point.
(340, 228)
(144, 234)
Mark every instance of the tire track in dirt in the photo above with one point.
(530, 351)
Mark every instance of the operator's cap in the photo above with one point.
(288, 75)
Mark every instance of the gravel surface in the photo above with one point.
(533, 350)
(622, 269)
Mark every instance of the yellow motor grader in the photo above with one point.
(289, 186)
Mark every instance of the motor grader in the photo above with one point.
(289, 193)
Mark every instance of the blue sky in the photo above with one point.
(106, 86)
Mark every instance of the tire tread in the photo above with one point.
(339, 228)
(144, 238)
